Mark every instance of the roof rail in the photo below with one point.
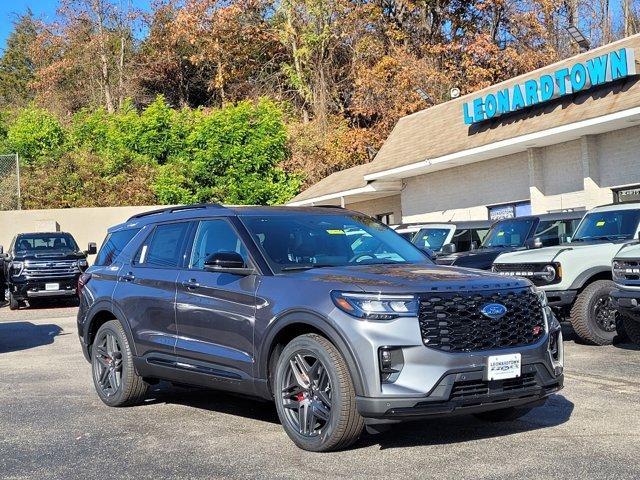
(194, 206)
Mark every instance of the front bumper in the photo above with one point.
(27, 288)
(627, 302)
(465, 393)
(561, 298)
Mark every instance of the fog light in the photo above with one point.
(391, 362)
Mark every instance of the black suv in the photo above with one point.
(510, 235)
(41, 265)
(282, 303)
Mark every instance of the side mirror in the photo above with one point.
(449, 248)
(227, 262)
(93, 249)
(429, 253)
(474, 246)
(533, 243)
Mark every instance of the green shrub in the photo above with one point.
(36, 135)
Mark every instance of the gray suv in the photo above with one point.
(285, 304)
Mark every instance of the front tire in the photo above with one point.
(593, 315)
(632, 327)
(315, 397)
(114, 376)
(14, 303)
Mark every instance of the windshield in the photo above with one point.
(433, 238)
(45, 242)
(612, 225)
(508, 233)
(311, 241)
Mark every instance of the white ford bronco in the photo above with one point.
(576, 275)
(626, 296)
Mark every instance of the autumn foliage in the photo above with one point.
(327, 79)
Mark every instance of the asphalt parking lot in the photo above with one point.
(54, 426)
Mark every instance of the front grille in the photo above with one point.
(470, 389)
(51, 269)
(453, 322)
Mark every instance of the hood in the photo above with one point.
(52, 255)
(481, 258)
(409, 278)
(549, 254)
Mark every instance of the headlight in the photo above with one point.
(549, 273)
(15, 268)
(82, 263)
(376, 306)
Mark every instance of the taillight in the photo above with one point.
(82, 281)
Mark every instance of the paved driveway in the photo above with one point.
(53, 425)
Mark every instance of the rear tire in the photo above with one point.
(114, 376)
(14, 303)
(632, 327)
(503, 415)
(316, 401)
(592, 316)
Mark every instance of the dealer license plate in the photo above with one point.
(51, 286)
(501, 367)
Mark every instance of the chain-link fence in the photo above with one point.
(9, 182)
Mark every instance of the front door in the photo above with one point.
(215, 311)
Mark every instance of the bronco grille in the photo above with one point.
(47, 269)
(453, 322)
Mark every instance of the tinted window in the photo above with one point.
(48, 242)
(215, 236)
(433, 238)
(553, 232)
(508, 233)
(613, 225)
(328, 240)
(113, 245)
(165, 247)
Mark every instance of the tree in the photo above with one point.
(16, 64)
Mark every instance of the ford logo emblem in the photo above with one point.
(494, 310)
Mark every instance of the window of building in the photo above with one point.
(626, 195)
(386, 218)
(509, 210)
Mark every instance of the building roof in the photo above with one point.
(341, 181)
(438, 138)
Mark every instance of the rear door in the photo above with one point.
(146, 290)
(215, 311)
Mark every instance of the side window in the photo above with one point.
(113, 245)
(164, 246)
(215, 236)
(462, 240)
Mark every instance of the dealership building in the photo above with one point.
(564, 137)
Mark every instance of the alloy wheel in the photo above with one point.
(306, 395)
(107, 363)
(605, 313)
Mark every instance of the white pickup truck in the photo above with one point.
(576, 275)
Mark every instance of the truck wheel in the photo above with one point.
(503, 414)
(14, 304)
(314, 395)
(114, 376)
(632, 327)
(593, 314)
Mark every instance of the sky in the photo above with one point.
(45, 9)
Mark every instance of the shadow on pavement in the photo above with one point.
(214, 401)
(16, 336)
(460, 429)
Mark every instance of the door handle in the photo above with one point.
(129, 277)
(191, 284)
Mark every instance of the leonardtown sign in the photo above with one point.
(608, 67)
